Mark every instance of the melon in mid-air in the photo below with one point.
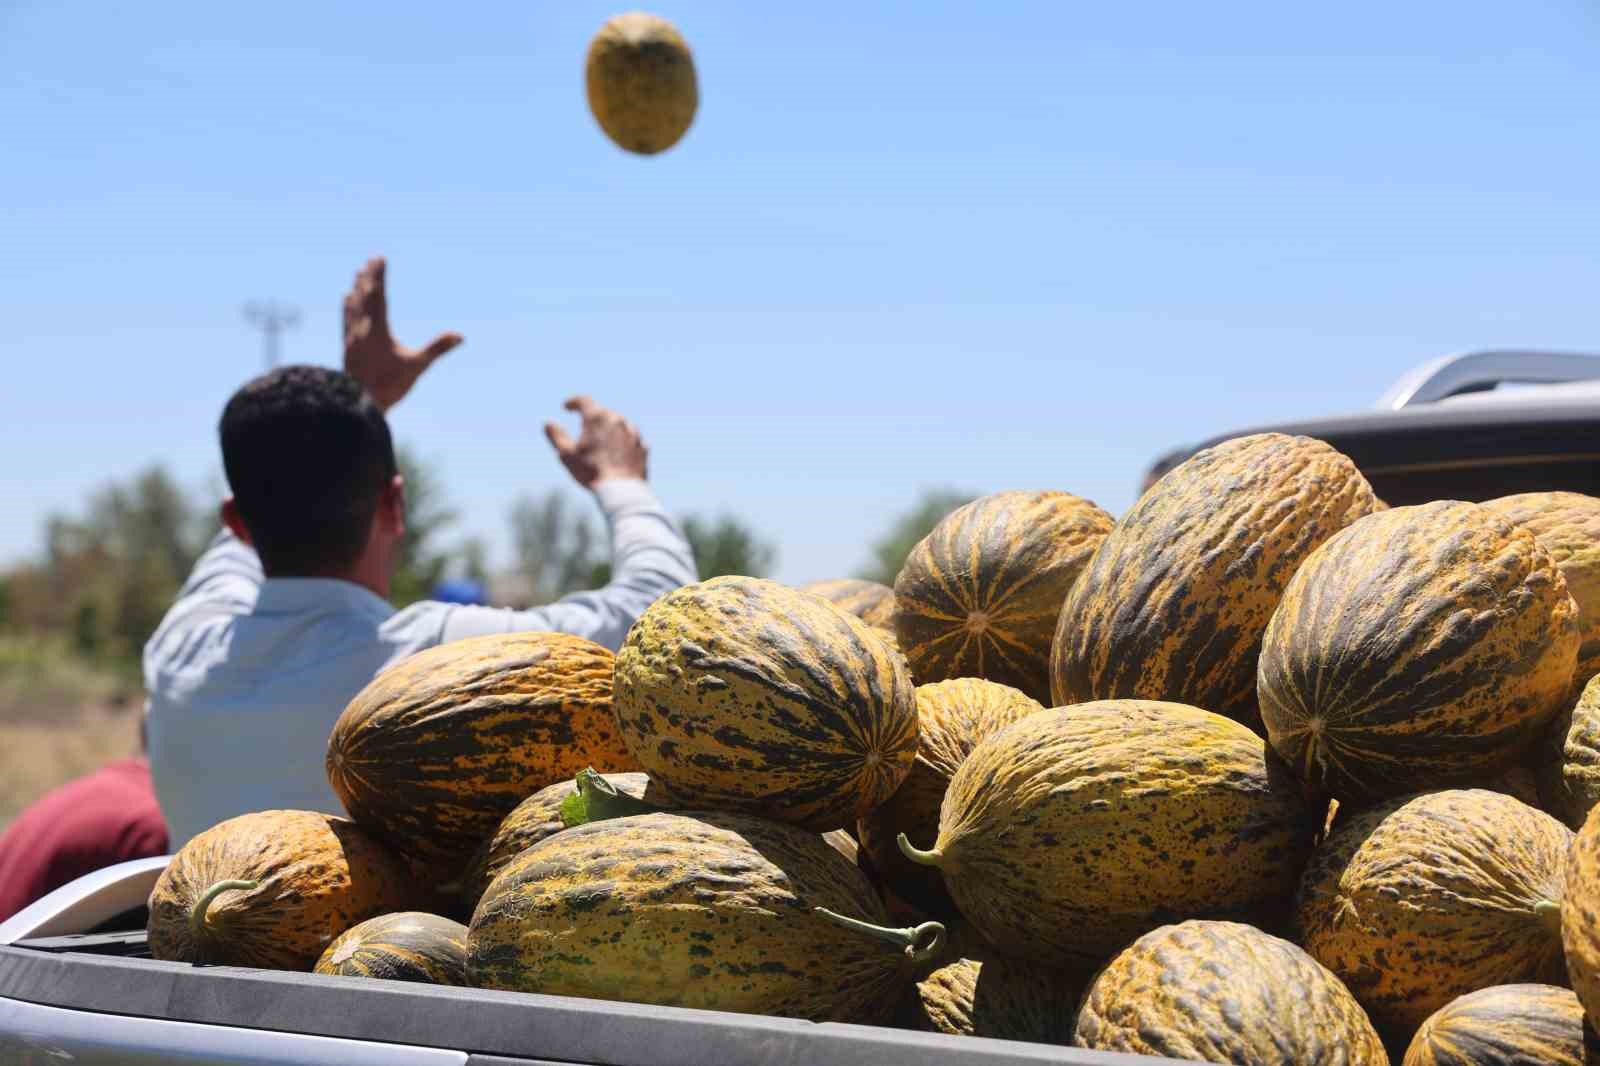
(641, 82)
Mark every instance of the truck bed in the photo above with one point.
(108, 982)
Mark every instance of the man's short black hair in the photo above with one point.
(307, 454)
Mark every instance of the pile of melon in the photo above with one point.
(1264, 771)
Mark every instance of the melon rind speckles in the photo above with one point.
(539, 816)
(1173, 605)
(1508, 1025)
(867, 600)
(1004, 999)
(1567, 525)
(1566, 761)
(1580, 918)
(1420, 648)
(1421, 899)
(437, 749)
(641, 83)
(690, 910)
(407, 946)
(1074, 830)
(952, 717)
(318, 876)
(1213, 991)
(979, 595)
(743, 694)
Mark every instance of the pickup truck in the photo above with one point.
(77, 984)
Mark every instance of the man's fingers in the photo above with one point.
(371, 287)
(559, 439)
(583, 405)
(439, 345)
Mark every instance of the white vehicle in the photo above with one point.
(1469, 427)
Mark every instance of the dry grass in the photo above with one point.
(59, 719)
(35, 757)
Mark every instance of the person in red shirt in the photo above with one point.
(98, 820)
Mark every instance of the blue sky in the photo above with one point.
(1012, 245)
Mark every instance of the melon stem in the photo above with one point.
(601, 801)
(925, 858)
(1549, 914)
(920, 942)
(197, 913)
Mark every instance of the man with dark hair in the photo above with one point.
(284, 618)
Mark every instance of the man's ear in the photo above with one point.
(393, 509)
(233, 520)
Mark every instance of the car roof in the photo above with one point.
(1502, 422)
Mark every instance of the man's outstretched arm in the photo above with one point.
(649, 554)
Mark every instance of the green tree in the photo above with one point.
(556, 548)
(890, 551)
(109, 574)
(421, 561)
(475, 560)
(726, 545)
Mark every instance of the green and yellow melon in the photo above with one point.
(1567, 525)
(1422, 899)
(715, 911)
(1421, 647)
(1174, 604)
(1074, 830)
(439, 748)
(979, 596)
(1568, 761)
(408, 946)
(867, 600)
(952, 717)
(1580, 918)
(1507, 1025)
(995, 997)
(273, 889)
(641, 82)
(1212, 991)
(539, 816)
(744, 694)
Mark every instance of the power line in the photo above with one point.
(273, 320)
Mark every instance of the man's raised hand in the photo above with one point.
(371, 355)
(608, 445)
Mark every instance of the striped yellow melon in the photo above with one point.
(539, 816)
(1567, 525)
(1507, 1025)
(1422, 647)
(867, 600)
(1419, 900)
(1174, 604)
(952, 717)
(641, 82)
(408, 946)
(1210, 991)
(1580, 918)
(738, 693)
(996, 997)
(716, 911)
(1074, 830)
(979, 596)
(1568, 763)
(272, 889)
(437, 749)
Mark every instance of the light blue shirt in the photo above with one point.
(246, 675)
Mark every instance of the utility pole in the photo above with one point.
(273, 321)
